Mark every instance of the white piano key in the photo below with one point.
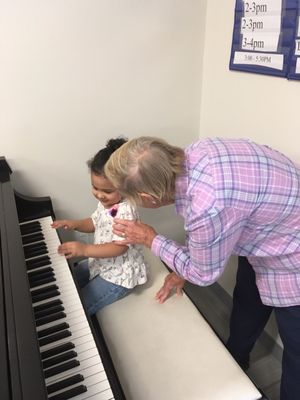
(91, 366)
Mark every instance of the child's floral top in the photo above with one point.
(127, 270)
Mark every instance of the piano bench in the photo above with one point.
(168, 351)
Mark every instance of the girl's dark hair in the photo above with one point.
(96, 164)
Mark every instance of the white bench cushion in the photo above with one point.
(168, 351)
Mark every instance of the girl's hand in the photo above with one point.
(133, 232)
(171, 282)
(67, 224)
(72, 249)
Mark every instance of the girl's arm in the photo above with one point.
(81, 225)
(78, 249)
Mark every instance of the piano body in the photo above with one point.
(47, 346)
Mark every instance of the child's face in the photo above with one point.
(104, 191)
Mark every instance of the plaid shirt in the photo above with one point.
(238, 197)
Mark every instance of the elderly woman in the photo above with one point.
(236, 197)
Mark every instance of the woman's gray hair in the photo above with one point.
(145, 165)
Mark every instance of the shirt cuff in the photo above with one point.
(157, 244)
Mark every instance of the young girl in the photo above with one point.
(110, 271)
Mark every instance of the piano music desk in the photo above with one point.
(168, 351)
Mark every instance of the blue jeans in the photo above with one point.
(97, 292)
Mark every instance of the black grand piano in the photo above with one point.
(49, 348)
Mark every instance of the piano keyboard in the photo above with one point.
(71, 362)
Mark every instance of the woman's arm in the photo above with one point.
(78, 249)
(81, 225)
(210, 241)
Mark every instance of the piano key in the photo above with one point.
(48, 311)
(30, 227)
(50, 362)
(43, 289)
(48, 304)
(44, 321)
(90, 363)
(34, 246)
(57, 350)
(44, 296)
(48, 279)
(85, 368)
(37, 262)
(91, 375)
(64, 383)
(53, 329)
(100, 387)
(54, 338)
(40, 276)
(39, 272)
(34, 237)
(61, 368)
(69, 394)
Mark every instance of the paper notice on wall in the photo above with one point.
(262, 7)
(297, 66)
(260, 42)
(263, 59)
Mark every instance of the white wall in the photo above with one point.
(239, 104)
(74, 73)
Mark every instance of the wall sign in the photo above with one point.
(266, 38)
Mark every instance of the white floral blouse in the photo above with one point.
(130, 268)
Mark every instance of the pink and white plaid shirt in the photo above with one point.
(238, 197)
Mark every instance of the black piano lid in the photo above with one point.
(25, 376)
(27, 207)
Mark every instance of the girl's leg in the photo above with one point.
(81, 273)
(249, 315)
(288, 320)
(98, 293)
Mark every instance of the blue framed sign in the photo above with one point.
(294, 72)
(264, 36)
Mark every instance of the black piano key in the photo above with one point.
(33, 246)
(54, 338)
(35, 252)
(45, 296)
(69, 394)
(48, 288)
(38, 262)
(44, 306)
(42, 281)
(40, 273)
(30, 227)
(50, 318)
(53, 329)
(57, 350)
(59, 359)
(64, 383)
(61, 368)
(35, 237)
(48, 311)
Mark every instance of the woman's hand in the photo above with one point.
(72, 249)
(171, 282)
(133, 232)
(67, 224)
